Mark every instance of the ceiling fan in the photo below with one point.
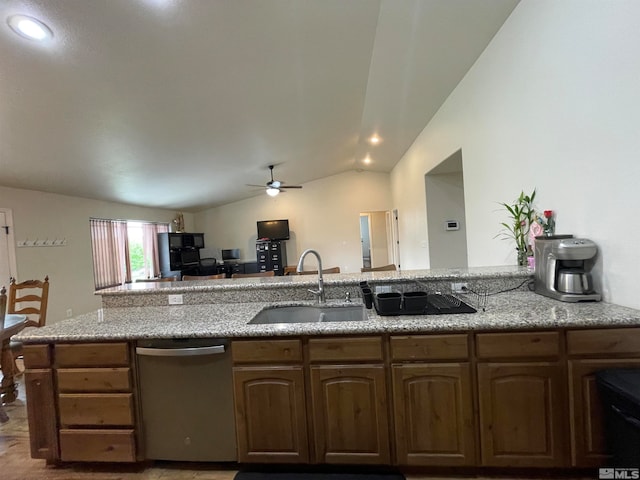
(274, 187)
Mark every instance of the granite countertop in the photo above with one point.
(337, 279)
(512, 310)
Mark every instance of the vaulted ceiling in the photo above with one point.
(181, 103)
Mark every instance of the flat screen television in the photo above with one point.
(231, 254)
(273, 229)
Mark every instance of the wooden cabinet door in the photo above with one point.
(41, 412)
(587, 429)
(350, 414)
(271, 422)
(433, 411)
(522, 420)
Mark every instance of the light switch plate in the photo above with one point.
(175, 299)
(459, 287)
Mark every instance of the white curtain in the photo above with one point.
(150, 247)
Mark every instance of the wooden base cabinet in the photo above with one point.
(522, 415)
(433, 411)
(586, 350)
(41, 411)
(433, 400)
(270, 401)
(271, 418)
(81, 402)
(349, 405)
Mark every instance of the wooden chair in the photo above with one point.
(386, 268)
(3, 310)
(270, 273)
(324, 270)
(28, 298)
(290, 270)
(204, 277)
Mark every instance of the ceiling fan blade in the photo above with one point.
(252, 185)
(290, 186)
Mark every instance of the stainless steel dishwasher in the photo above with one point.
(186, 396)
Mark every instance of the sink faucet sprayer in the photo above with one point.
(320, 292)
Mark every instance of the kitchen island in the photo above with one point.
(509, 386)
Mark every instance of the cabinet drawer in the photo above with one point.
(92, 354)
(36, 356)
(94, 379)
(97, 446)
(604, 341)
(266, 351)
(115, 409)
(518, 345)
(349, 349)
(430, 347)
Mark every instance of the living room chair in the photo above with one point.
(270, 273)
(28, 298)
(3, 310)
(324, 270)
(290, 270)
(385, 268)
(204, 277)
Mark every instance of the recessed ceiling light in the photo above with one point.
(29, 27)
(367, 159)
(374, 139)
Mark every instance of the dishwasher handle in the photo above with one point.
(180, 352)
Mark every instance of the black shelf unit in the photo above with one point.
(179, 253)
(271, 255)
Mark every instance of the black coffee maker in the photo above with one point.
(563, 268)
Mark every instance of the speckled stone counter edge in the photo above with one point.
(275, 289)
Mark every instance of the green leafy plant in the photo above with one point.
(522, 214)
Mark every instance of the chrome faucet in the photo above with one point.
(320, 292)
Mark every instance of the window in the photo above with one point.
(124, 251)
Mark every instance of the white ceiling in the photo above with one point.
(180, 103)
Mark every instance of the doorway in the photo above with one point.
(446, 218)
(365, 239)
(376, 238)
(7, 248)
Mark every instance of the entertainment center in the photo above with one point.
(179, 253)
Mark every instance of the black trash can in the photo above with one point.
(619, 390)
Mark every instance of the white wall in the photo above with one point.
(445, 201)
(552, 103)
(38, 215)
(324, 215)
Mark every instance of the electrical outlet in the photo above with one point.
(69, 313)
(459, 287)
(175, 299)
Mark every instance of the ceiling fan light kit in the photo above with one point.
(274, 187)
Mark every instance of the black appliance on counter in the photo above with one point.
(619, 390)
(179, 253)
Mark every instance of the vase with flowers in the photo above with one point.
(522, 214)
(549, 226)
(544, 225)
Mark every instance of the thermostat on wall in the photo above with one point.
(452, 225)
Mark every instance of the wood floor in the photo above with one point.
(16, 463)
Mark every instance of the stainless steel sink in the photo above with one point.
(310, 314)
